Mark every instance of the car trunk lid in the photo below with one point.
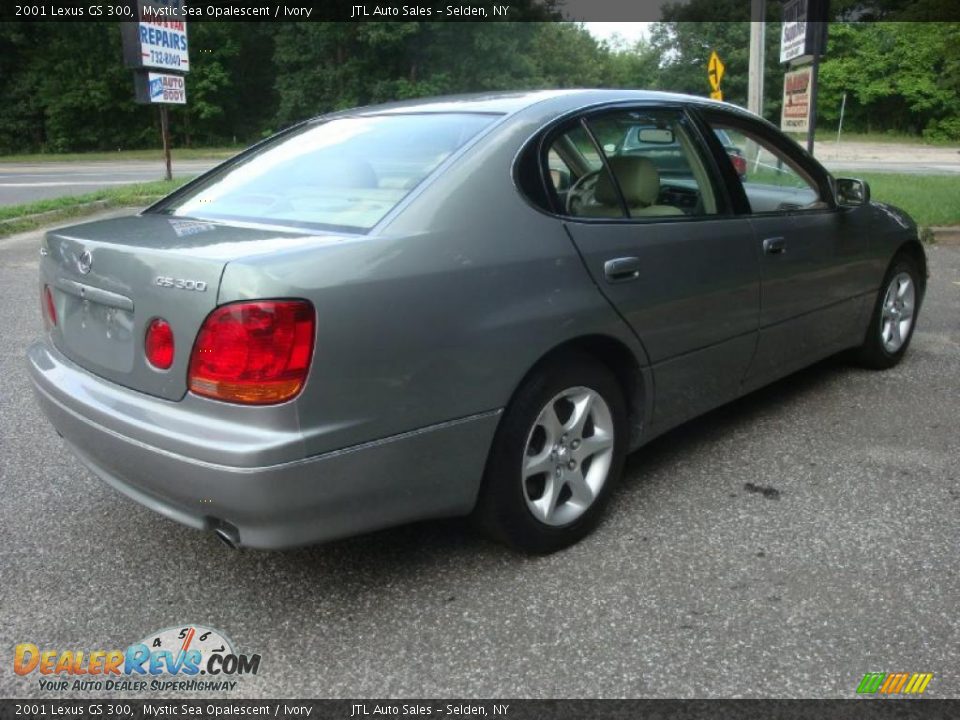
(111, 278)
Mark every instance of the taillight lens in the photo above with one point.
(158, 344)
(49, 308)
(739, 163)
(255, 353)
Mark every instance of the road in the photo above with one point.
(26, 182)
(699, 584)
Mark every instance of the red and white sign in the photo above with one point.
(795, 113)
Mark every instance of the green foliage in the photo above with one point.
(63, 87)
(684, 49)
(895, 76)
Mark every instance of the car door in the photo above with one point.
(659, 238)
(814, 265)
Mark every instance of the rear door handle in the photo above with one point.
(622, 269)
(775, 246)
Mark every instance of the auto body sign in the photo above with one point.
(795, 114)
(164, 88)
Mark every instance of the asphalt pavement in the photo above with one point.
(27, 182)
(781, 546)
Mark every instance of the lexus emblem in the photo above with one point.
(84, 262)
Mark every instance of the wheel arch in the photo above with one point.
(914, 250)
(617, 357)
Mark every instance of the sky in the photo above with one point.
(629, 31)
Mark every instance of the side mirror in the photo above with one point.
(852, 192)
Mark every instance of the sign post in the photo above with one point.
(158, 41)
(165, 132)
(758, 30)
(803, 40)
(715, 69)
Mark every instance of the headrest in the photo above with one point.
(638, 178)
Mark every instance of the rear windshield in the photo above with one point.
(344, 173)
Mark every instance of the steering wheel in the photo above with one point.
(581, 190)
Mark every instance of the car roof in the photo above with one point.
(509, 103)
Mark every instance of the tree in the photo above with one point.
(895, 76)
(684, 50)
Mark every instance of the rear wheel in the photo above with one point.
(894, 316)
(556, 456)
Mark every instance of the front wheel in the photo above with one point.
(555, 458)
(894, 316)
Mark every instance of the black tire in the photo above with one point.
(873, 353)
(502, 511)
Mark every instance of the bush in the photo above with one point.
(944, 130)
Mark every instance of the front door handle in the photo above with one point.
(622, 269)
(775, 246)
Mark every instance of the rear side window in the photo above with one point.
(345, 173)
(639, 164)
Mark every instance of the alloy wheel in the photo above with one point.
(896, 315)
(567, 456)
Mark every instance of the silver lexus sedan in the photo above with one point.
(472, 305)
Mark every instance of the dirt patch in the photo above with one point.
(949, 235)
(830, 151)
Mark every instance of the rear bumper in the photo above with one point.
(432, 472)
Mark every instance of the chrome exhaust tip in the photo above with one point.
(227, 534)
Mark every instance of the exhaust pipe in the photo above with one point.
(227, 534)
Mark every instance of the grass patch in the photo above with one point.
(929, 199)
(64, 208)
(216, 153)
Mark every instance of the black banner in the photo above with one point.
(445, 11)
(855, 709)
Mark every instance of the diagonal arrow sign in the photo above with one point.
(715, 70)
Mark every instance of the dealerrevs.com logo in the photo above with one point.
(189, 657)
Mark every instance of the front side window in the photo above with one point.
(346, 173)
(644, 163)
(771, 180)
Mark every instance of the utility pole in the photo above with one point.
(758, 12)
(814, 82)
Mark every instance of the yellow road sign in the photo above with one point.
(715, 70)
(716, 95)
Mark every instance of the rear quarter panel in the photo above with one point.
(439, 314)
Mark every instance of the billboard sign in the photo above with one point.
(795, 114)
(159, 39)
(793, 32)
(160, 88)
(803, 32)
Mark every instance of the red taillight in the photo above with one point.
(158, 344)
(253, 352)
(739, 163)
(50, 309)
